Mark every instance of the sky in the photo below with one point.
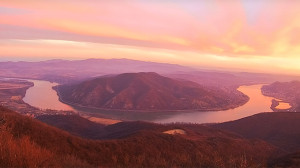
(239, 35)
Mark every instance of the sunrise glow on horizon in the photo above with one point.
(247, 35)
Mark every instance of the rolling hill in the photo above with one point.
(26, 142)
(148, 91)
(291, 160)
(281, 129)
(75, 125)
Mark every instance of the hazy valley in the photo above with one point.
(262, 140)
(150, 84)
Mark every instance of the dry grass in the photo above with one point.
(26, 142)
(104, 121)
(175, 131)
(7, 85)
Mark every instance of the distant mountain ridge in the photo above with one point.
(148, 91)
(63, 71)
(69, 71)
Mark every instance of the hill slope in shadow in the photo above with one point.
(26, 142)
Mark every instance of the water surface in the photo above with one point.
(257, 103)
(282, 105)
(42, 95)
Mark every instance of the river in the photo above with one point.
(42, 95)
(257, 103)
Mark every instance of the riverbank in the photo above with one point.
(12, 93)
(281, 106)
(257, 103)
(283, 93)
(193, 116)
(76, 105)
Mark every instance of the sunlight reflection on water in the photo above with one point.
(44, 97)
(258, 103)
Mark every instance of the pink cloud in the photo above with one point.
(235, 28)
